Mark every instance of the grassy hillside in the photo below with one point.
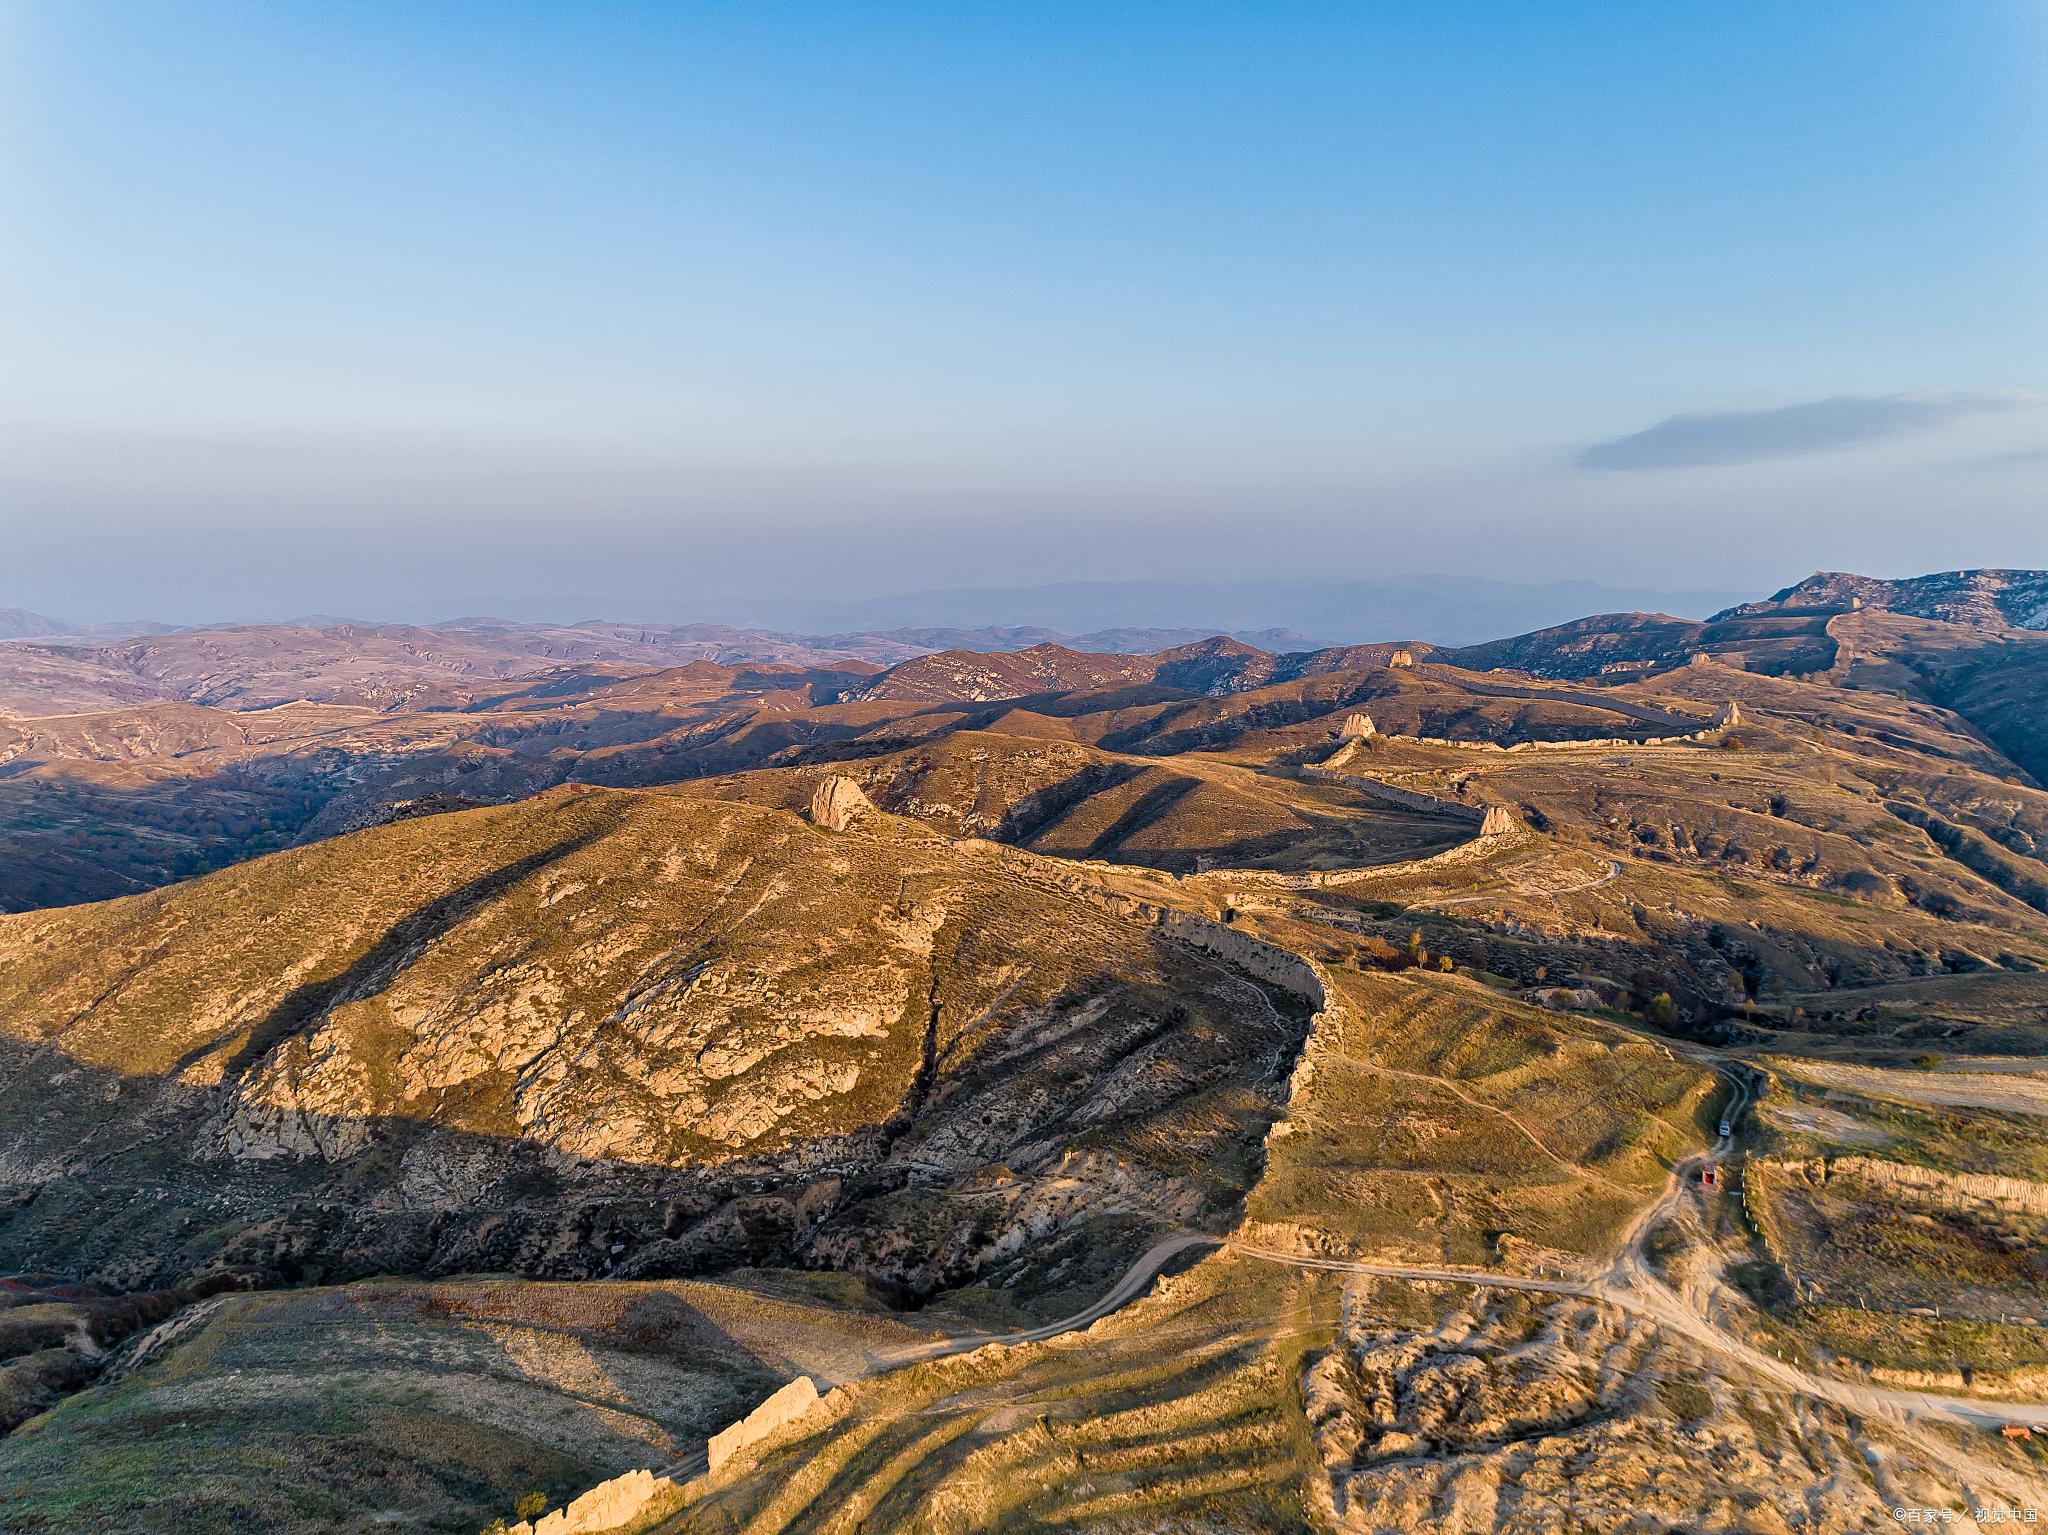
(1436, 1123)
(612, 1032)
(346, 1408)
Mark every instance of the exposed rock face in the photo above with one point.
(605, 1033)
(798, 1399)
(1499, 821)
(1401, 658)
(1730, 715)
(838, 802)
(1357, 727)
(1568, 999)
(1981, 598)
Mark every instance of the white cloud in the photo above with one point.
(1785, 431)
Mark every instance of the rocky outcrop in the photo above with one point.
(838, 802)
(1268, 962)
(1357, 727)
(793, 1402)
(1986, 599)
(1499, 821)
(664, 1043)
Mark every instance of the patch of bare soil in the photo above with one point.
(2009, 1090)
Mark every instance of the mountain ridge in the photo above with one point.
(1982, 598)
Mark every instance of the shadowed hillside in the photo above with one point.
(613, 1033)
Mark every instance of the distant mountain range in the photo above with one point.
(21, 624)
(1113, 616)
(1441, 610)
(1542, 623)
(599, 639)
(263, 733)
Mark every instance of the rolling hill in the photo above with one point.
(1589, 1078)
(606, 1032)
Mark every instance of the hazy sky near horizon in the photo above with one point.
(408, 310)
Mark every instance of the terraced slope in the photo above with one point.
(1181, 1411)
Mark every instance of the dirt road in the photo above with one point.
(1628, 1284)
(1594, 883)
(1134, 1280)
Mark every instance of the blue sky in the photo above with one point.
(681, 300)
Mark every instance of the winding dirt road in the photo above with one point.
(1626, 1284)
(1127, 1289)
(1655, 1302)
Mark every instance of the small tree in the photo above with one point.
(1662, 1011)
(531, 1505)
(1444, 962)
